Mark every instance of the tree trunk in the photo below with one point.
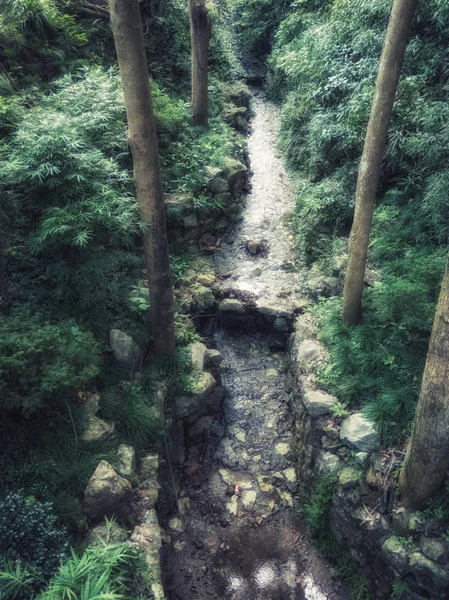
(127, 30)
(200, 31)
(393, 52)
(427, 461)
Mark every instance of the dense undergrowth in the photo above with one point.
(71, 268)
(323, 68)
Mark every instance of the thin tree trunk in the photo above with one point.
(427, 461)
(393, 52)
(200, 31)
(127, 30)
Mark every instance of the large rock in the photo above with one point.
(125, 349)
(232, 305)
(205, 399)
(318, 403)
(359, 433)
(435, 549)
(198, 355)
(430, 576)
(310, 353)
(107, 493)
(396, 554)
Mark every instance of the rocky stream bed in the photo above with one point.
(237, 532)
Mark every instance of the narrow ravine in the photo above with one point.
(240, 535)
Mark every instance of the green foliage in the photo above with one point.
(133, 409)
(107, 572)
(316, 512)
(323, 66)
(400, 589)
(256, 22)
(29, 536)
(42, 363)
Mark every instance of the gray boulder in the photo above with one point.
(359, 433)
(198, 353)
(396, 554)
(232, 305)
(125, 349)
(318, 403)
(429, 576)
(435, 549)
(107, 493)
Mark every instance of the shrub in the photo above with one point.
(42, 363)
(29, 535)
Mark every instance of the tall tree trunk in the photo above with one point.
(393, 52)
(427, 460)
(127, 30)
(200, 31)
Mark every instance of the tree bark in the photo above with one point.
(393, 52)
(128, 36)
(427, 460)
(200, 32)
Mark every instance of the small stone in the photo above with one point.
(327, 463)
(257, 458)
(97, 430)
(286, 497)
(359, 433)
(282, 448)
(149, 466)
(241, 436)
(362, 458)
(436, 550)
(253, 248)
(206, 279)
(248, 498)
(264, 484)
(290, 474)
(175, 525)
(126, 461)
(273, 308)
(349, 477)
(318, 403)
(232, 506)
(395, 552)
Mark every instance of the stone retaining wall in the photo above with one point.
(386, 542)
